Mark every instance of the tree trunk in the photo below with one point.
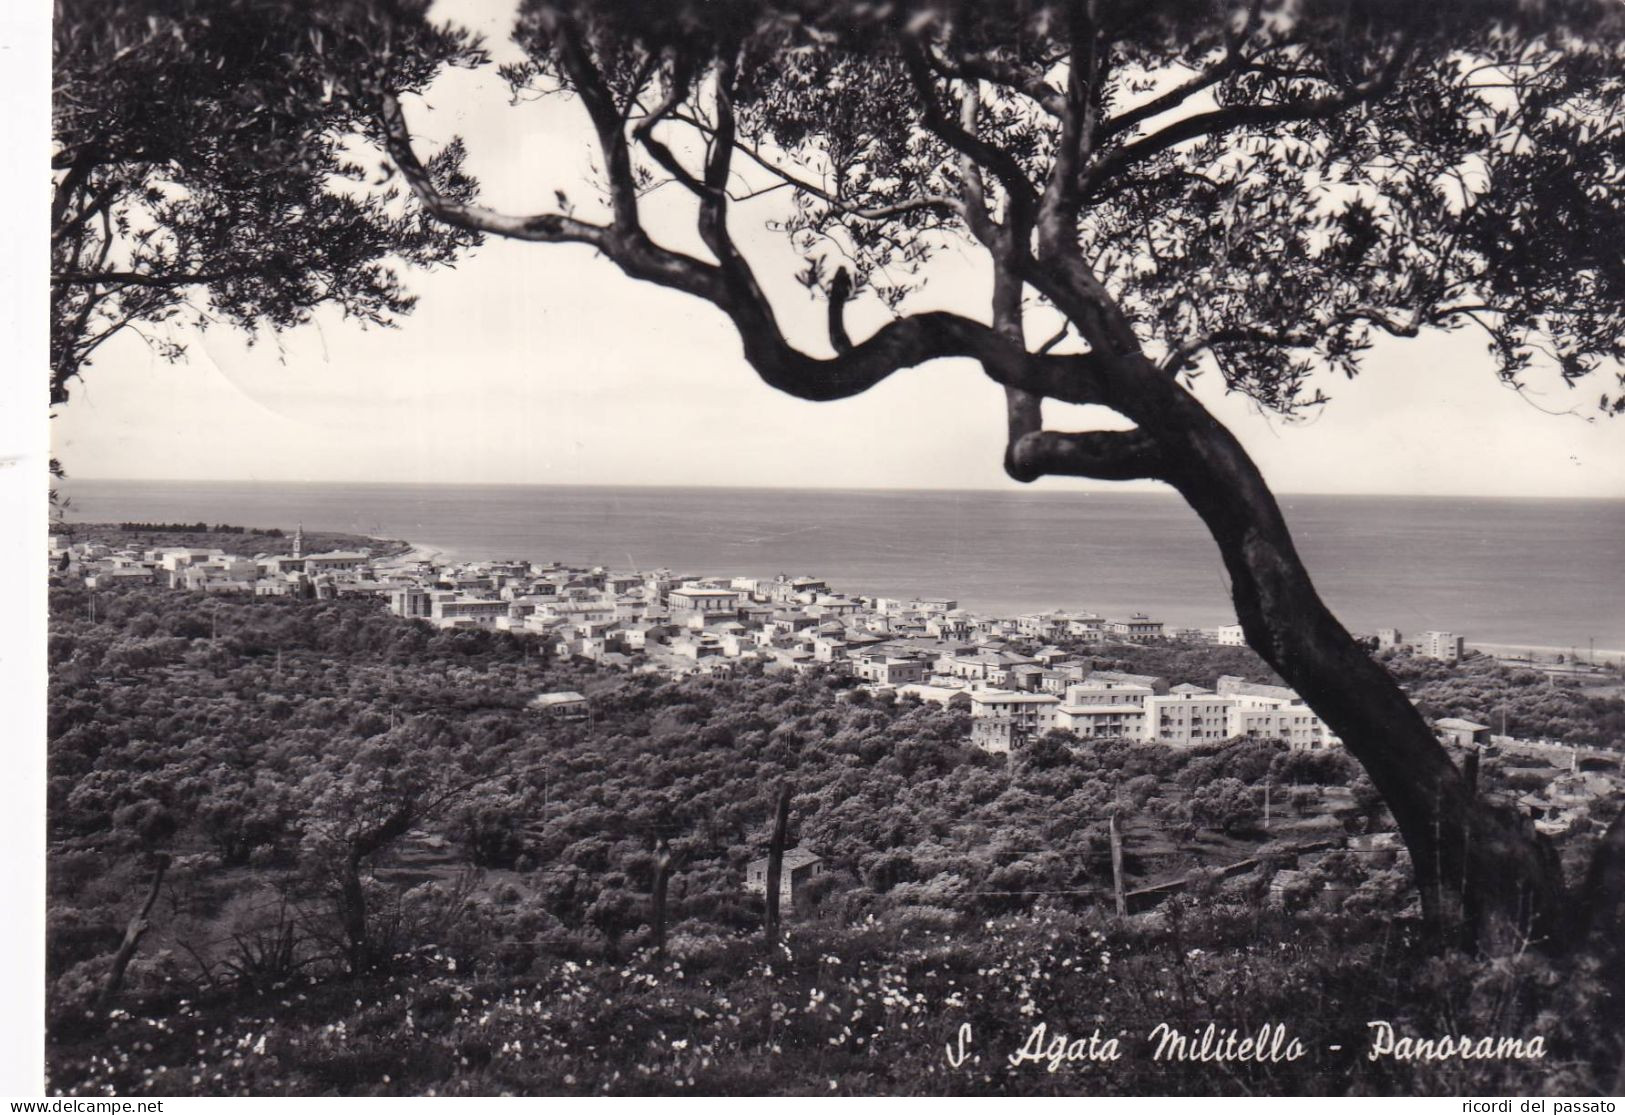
(662, 870)
(1599, 916)
(353, 914)
(775, 865)
(1486, 878)
(132, 937)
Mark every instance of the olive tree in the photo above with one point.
(207, 167)
(1253, 189)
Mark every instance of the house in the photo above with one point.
(1028, 677)
(793, 658)
(890, 669)
(943, 695)
(1086, 628)
(336, 561)
(1157, 685)
(705, 602)
(798, 868)
(1229, 635)
(1137, 628)
(455, 610)
(997, 735)
(1464, 733)
(564, 705)
(1043, 625)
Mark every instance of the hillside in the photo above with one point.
(498, 934)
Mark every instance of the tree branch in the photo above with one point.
(1022, 199)
(681, 79)
(607, 119)
(1228, 119)
(543, 227)
(1098, 455)
(867, 212)
(973, 68)
(840, 289)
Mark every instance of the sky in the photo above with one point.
(534, 363)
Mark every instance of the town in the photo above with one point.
(581, 767)
(1009, 672)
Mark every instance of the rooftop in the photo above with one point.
(793, 857)
(548, 700)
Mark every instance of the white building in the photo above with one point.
(1032, 713)
(1443, 645)
(1104, 711)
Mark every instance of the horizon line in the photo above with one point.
(1161, 489)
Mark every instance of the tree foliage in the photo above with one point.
(1161, 190)
(209, 167)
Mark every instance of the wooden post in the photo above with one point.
(775, 864)
(1469, 900)
(132, 937)
(1117, 866)
(662, 869)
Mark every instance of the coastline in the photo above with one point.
(1575, 655)
(414, 553)
(1475, 568)
(1531, 652)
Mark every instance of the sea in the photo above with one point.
(1536, 573)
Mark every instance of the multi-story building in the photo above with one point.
(1104, 710)
(452, 610)
(685, 602)
(411, 603)
(1033, 714)
(1443, 645)
(890, 669)
(336, 561)
(1137, 628)
(1188, 715)
(1043, 626)
(1086, 628)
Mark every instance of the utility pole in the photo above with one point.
(1266, 802)
(662, 875)
(775, 864)
(1117, 865)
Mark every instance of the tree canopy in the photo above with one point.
(1249, 188)
(1165, 189)
(208, 167)
(1257, 187)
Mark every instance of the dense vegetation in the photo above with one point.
(387, 874)
(248, 541)
(1536, 705)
